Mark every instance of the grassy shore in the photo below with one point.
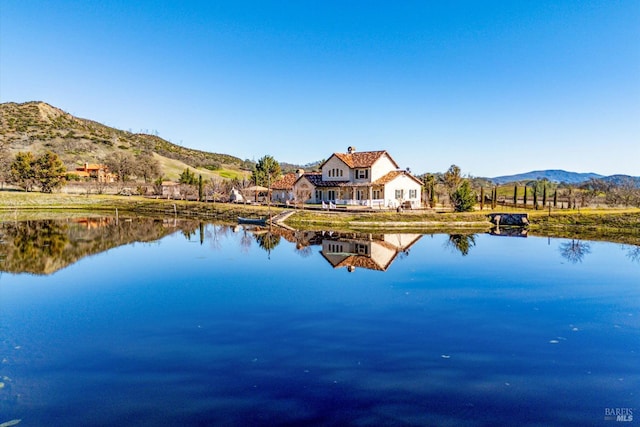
(600, 224)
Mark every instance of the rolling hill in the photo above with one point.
(38, 126)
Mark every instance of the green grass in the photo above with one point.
(621, 225)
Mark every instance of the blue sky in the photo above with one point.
(496, 87)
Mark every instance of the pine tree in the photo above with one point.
(463, 199)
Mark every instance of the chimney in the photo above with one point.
(351, 150)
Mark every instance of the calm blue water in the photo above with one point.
(517, 331)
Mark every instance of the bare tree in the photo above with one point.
(575, 250)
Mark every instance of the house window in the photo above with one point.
(362, 173)
(318, 195)
(340, 172)
(362, 249)
(413, 194)
(400, 194)
(331, 194)
(377, 194)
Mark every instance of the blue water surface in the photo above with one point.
(221, 332)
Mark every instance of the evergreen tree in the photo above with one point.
(515, 195)
(463, 199)
(48, 172)
(22, 173)
(267, 171)
(187, 177)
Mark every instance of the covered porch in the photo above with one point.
(366, 195)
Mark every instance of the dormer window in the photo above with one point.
(362, 173)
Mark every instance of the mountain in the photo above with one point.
(562, 176)
(554, 175)
(38, 126)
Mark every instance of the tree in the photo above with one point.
(452, 179)
(463, 199)
(48, 172)
(22, 172)
(515, 195)
(5, 162)
(122, 164)
(147, 167)
(266, 171)
(188, 177)
(429, 182)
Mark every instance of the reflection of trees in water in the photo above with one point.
(633, 253)
(461, 242)
(45, 246)
(245, 241)
(304, 251)
(267, 241)
(214, 233)
(575, 250)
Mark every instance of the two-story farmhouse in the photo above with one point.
(368, 178)
(95, 172)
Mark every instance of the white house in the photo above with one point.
(368, 178)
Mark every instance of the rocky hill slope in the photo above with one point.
(38, 126)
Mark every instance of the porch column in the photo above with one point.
(371, 197)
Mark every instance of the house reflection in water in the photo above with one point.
(370, 251)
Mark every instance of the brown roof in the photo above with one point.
(91, 167)
(393, 175)
(285, 183)
(362, 159)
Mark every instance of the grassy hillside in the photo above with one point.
(37, 126)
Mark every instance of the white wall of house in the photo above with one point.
(381, 167)
(335, 170)
(304, 191)
(402, 189)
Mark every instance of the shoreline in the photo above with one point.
(593, 223)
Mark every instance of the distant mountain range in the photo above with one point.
(558, 175)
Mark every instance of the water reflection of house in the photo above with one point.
(370, 251)
(92, 223)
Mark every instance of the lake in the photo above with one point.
(165, 322)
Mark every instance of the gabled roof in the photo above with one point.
(285, 183)
(361, 159)
(393, 175)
